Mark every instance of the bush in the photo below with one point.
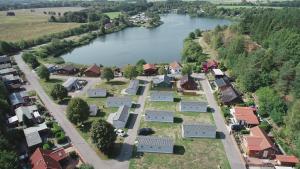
(61, 138)
(245, 131)
(73, 155)
(265, 126)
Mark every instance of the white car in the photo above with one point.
(120, 132)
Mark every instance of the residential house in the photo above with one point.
(162, 96)
(33, 135)
(229, 95)
(198, 130)
(11, 81)
(193, 106)
(67, 70)
(92, 71)
(218, 73)
(149, 69)
(51, 67)
(72, 84)
(121, 117)
(258, 144)
(118, 101)
(154, 144)
(209, 64)
(175, 68)
(244, 116)
(8, 71)
(188, 83)
(132, 87)
(108, 25)
(222, 82)
(18, 99)
(96, 93)
(31, 112)
(162, 81)
(48, 159)
(286, 160)
(159, 116)
(93, 110)
(5, 62)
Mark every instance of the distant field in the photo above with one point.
(238, 6)
(113, 15)
(29, 25)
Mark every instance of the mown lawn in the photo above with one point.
(48, 85)
(30, 25)
(113, 15)
(188, 153)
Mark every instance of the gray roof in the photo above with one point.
(33, 139)
(162, 78)
(134, 84)
(229, 94)
(7, 71)
(155, 141)
(159, 113)
(220, 82)
(26, 110)
(17, 98)
(93, 109)
(119, 99)
(4, 59)
(122, 113)
(193, 103)
(96, 92)
(69, 82)
(197, 126)
(10, 77)
(162, 93)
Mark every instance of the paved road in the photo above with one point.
(127, 148)
(232, 151)
(87, 153)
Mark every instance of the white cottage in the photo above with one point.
(159, 116)
(201, 130)
(154, 144)
(118, 101)
(96, 93)
(162, 96)
(193, 106)
(121, 117)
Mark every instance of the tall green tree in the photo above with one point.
(103, 135)
(8, 160)
(77, 110)
(192, 35)
(43, 72)
(130, 72)
(187, 69)
(58, 92)
(296, 83)
(141, 62)
(107, 74)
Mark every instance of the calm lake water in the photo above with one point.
(158, 45)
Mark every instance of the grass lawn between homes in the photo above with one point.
(113, 15)
(188, 153)
(48, 85)
(28, 25)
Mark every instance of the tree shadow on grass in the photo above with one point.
(220, 135)
(140, 90)
(115, 83)
(177, 99)
(131, 120)
(179, 150)
(100, 113)
(64, 101)
(86, 126)
(178, 120)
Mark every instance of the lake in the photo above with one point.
(162, 44)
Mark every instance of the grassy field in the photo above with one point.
(30, 25)
(189, 153)
(48, 85)
(113, 15)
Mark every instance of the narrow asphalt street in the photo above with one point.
(232, 151)
(127, 147)
(87, 153)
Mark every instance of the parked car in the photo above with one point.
(236, 127)
(145, 131)
(120, 132)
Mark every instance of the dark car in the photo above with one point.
(145, 131)
(236, 127)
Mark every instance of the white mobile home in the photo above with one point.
(154, 144)
(71, 84)
(201, 130)
(118, 101)
(159, 116)
(193, 106)
(132, 87)
(121, 117)
(96, 93)
(162, 96)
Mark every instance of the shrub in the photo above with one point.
(245, 131)
(73, 155)
(265, 126)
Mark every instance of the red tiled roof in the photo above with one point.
(46, 159)
(149, 66)
(175, 65)
(246, 114)
(287, 159)
(94, 68)
(258, 140)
